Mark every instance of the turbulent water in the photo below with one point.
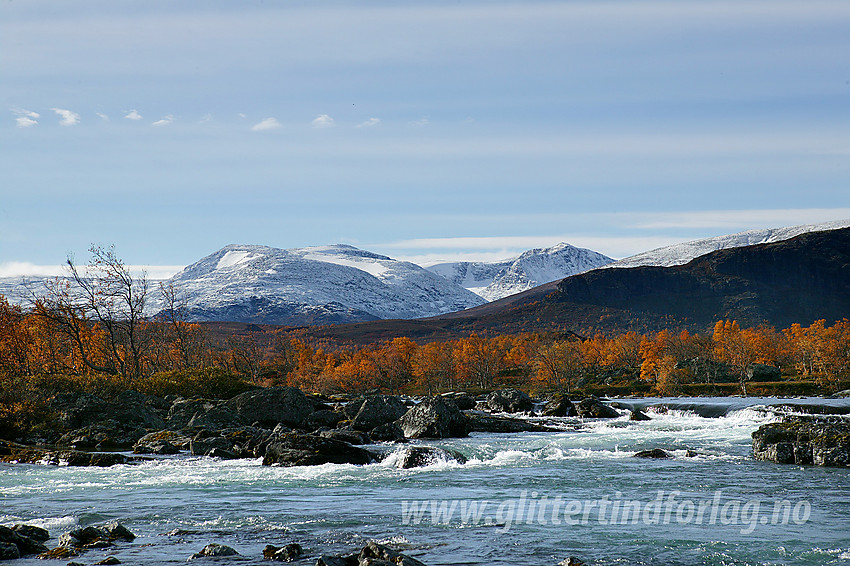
(528, 499)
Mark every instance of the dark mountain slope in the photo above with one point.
(798, 280)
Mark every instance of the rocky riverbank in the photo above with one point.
(282, 425)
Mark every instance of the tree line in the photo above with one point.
(94, 323)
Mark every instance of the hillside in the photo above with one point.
(799, 280)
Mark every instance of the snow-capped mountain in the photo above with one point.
(680, 254)
(495, 280)
(315, 285)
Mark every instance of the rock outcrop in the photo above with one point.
(434, 418)
(802, 442)
(271, 406)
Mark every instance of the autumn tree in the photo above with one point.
(558, 363)
(103, 300)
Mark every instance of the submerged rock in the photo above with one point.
(803, 442)
(434, 418)
(654, 453)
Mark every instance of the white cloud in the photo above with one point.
(102, 116)
(68, 118)
(242, 115)
(423, 121)
(734, 220)
(206, 118)
(266, 124)
(323, 121)
(27, 269)
(25, 118)
(133, 115)
(369, 123)
(164, 121)
(24, 122)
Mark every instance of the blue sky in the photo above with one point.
(422, 130)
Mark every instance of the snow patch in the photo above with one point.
(232, 258)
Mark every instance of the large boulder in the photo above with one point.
(286, 553)
(377, 410)
(593, 408)
(419, 456)
(434, 417)
(508, 401)
(560, 406)
(297, 449)
(803, 442)
(272, 405)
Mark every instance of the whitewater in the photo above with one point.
(504, 498)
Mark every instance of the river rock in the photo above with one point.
(480, 422)
(162, 442)
(287, 553)
(374, 552)
(508, 401)
(654, 453)
(377, 410)
(464, 401)
(21, 454)
(638, 415)
(272, 405)
(206, 441)
(108, 561)
(803, 442)
(434, 418)
(296, 449)
(9, 551)
(560, 406)
(23, 544)
(214, 550)
(419, 456)
(593, 408)
(103, 435)
(324, 418)
(346, 435)
(388, 432)
(32, 532)
(326, 560)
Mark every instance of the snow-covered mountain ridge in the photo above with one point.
(314, 285)
(495, 280)
(680, 254)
